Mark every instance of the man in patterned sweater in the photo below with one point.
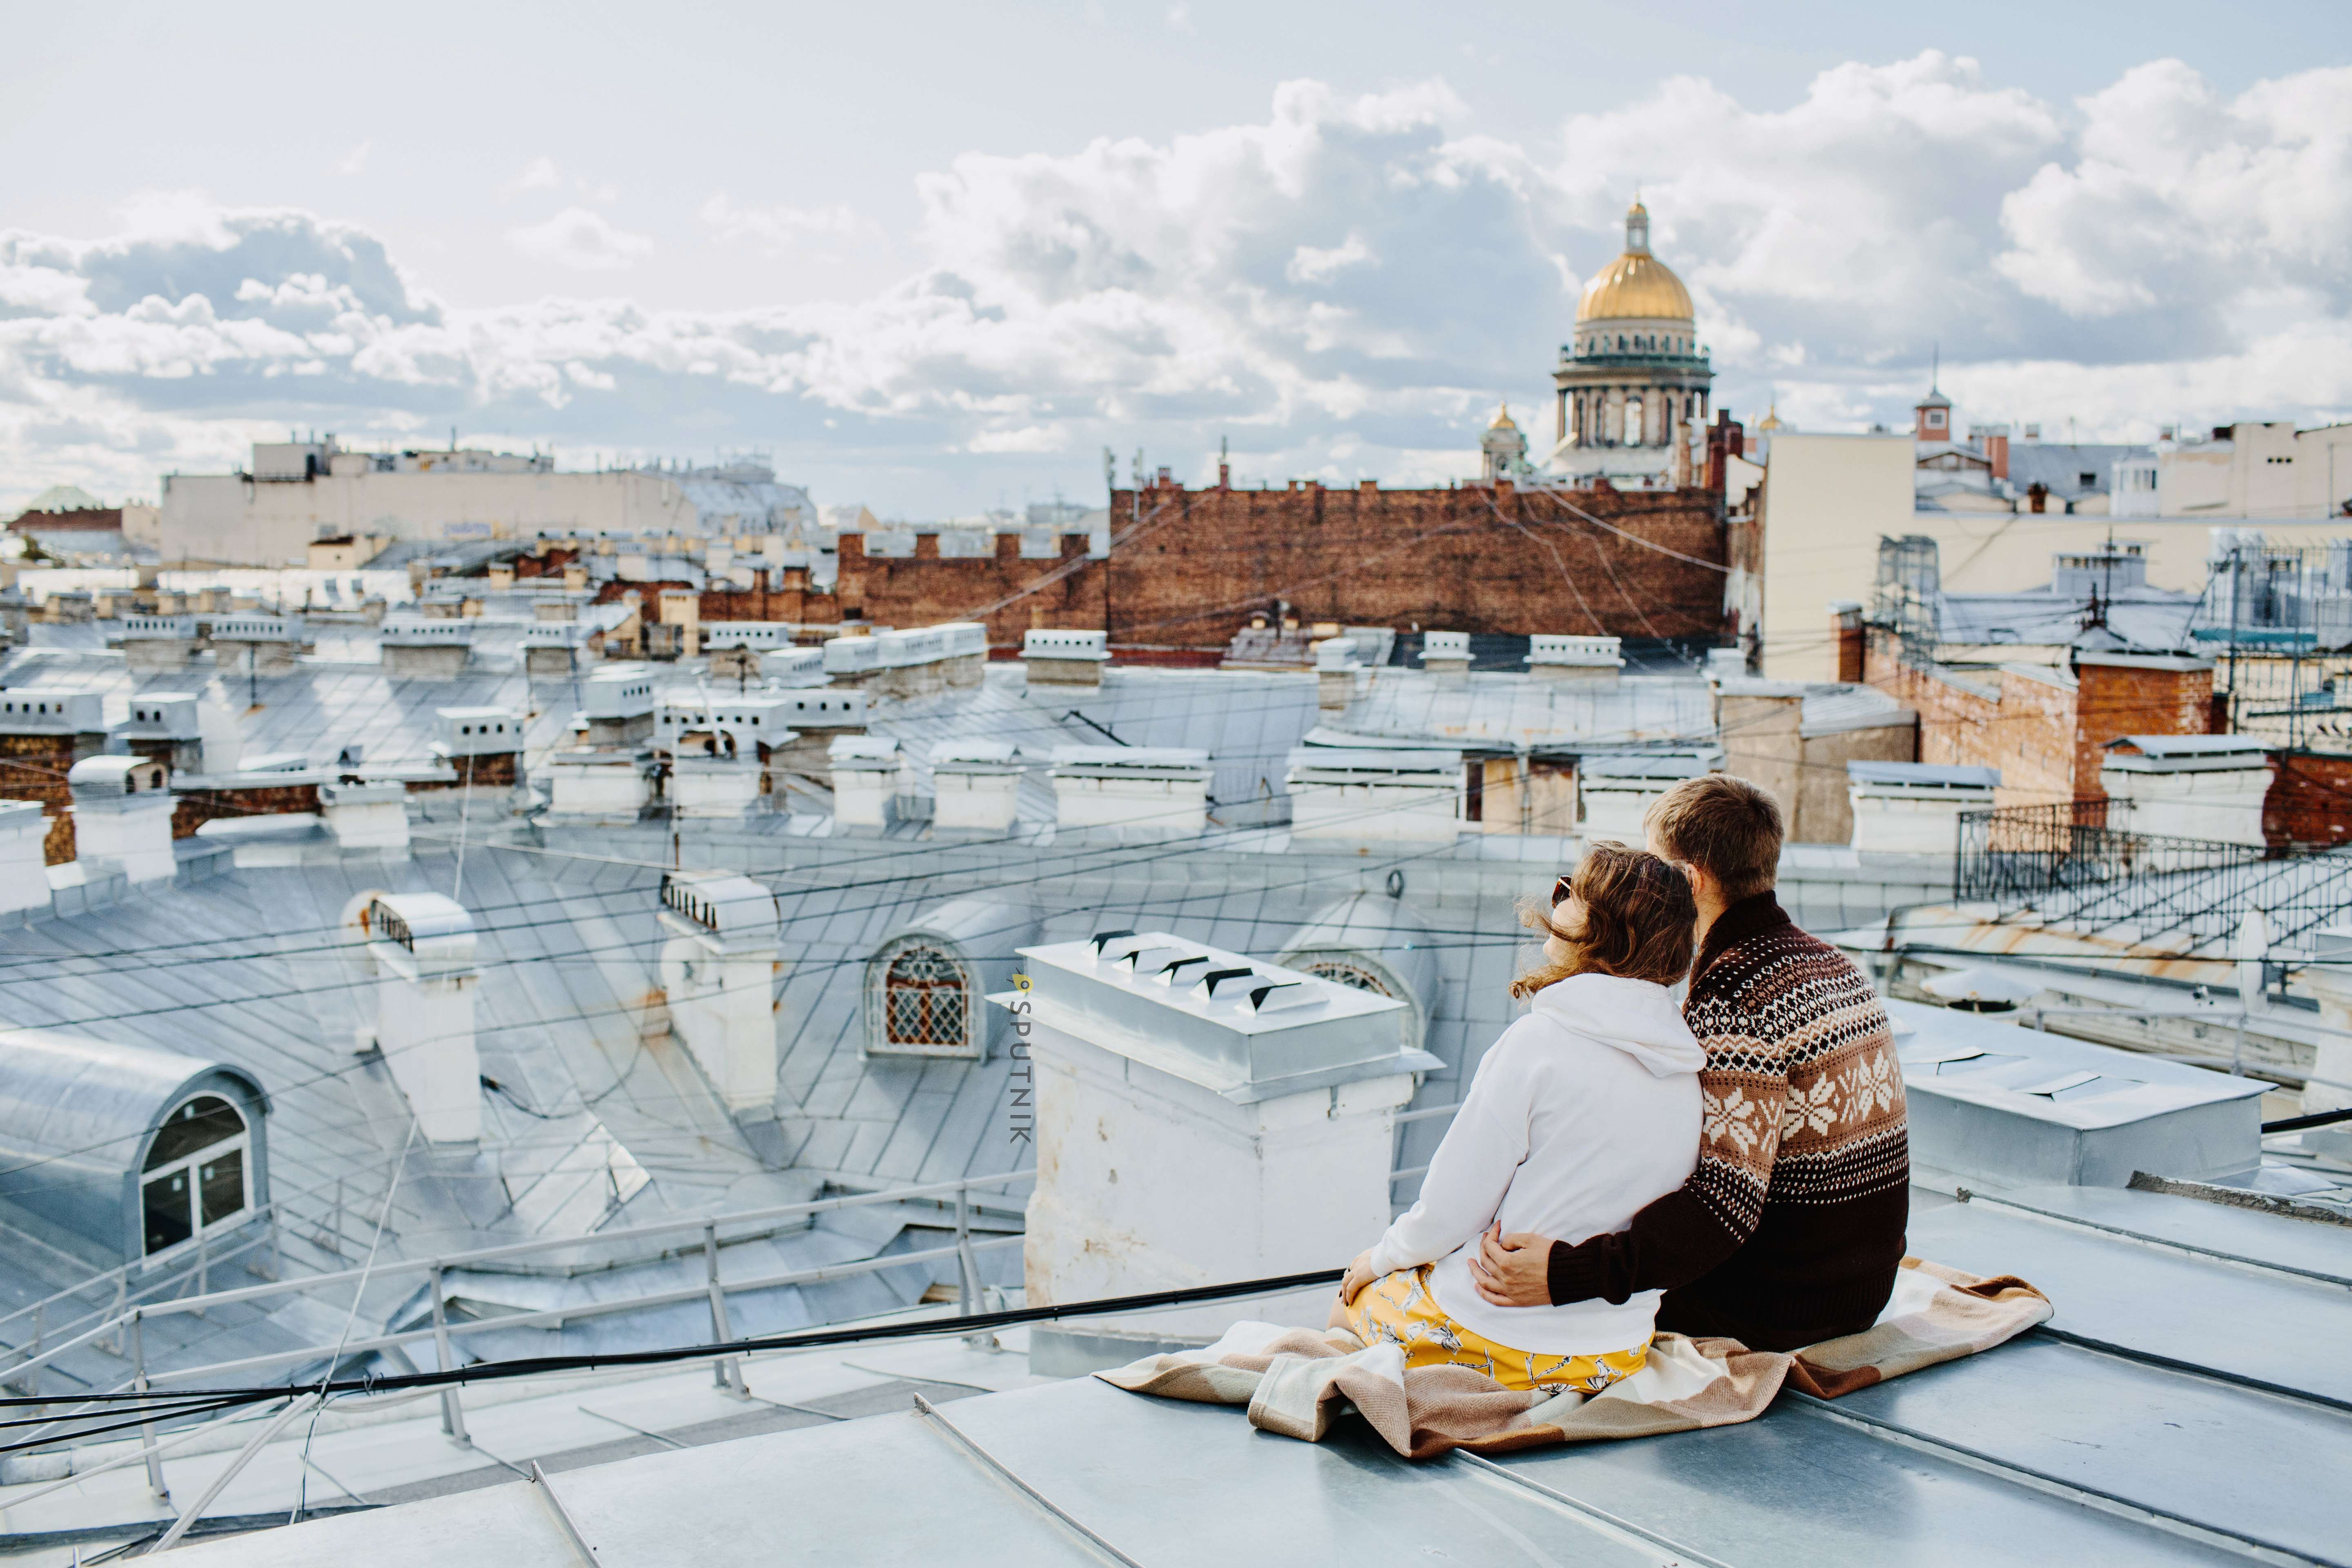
(1790, 1229)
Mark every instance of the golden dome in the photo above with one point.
(1502, 417)
(1636, 285)
(1771, 420)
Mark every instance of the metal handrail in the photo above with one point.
(443, 1263)
(559, 1315)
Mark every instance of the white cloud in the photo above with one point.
(1344, 285)
(581, 240)
(539, 175)
(778, 229)
(1180, 18)
(1308, 265)
(354, 161)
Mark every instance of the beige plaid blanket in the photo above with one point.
(1297, 1381)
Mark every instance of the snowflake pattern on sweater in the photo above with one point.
(1802, 1098)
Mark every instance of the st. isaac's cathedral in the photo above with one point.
(1632, 384)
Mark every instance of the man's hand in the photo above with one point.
(1359, 1274)
(1513, 1270)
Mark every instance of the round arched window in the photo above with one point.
(1345, 973)
(197, 1176)
(926, 1000)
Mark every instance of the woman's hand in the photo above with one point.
(1359, 1274)
(1512, 1270)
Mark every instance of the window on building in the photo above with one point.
(2086, 481)
(1342, 972)
(196, 1177)
(926, 1000)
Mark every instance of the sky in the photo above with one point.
(938, 258)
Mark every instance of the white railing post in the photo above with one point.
(146, 1429)
(453, 1414)
(967, 1270)
(726, 1372)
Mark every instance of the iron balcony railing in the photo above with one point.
(2066, 863)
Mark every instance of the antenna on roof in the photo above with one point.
(1934, 364)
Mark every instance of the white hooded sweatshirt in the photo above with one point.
(1583, 1111)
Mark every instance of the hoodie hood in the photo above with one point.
(1637, 1017)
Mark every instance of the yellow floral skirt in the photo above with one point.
(1398, 1308)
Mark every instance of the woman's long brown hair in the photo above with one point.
(1639, 921)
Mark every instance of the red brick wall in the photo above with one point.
(1469, 559)
(2121, 699)
(192, 808)
(2310, 800)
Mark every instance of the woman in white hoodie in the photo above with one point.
(1583, 1111)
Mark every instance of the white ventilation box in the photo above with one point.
(477, 732)
(39, 710)
(365, 815)
(1914, 808)
(618, 694)
(597, 786)
(793, 665)
(1141, 792)
(1374, 795)
(2189, 786)
(976, 786)
(852, 657)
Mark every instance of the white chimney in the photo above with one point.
(717, 970)
(867, 779)
(123, 816)
(419, 648)
(597, 786)
(365, 815)
(1375, 795)
(1594, 660)
(1065, 659)
(419, 947)
(1201, 1116)
(1446, 654)
(24, 872)
(967, 652)
(976, 786)
(2189, 786)
(1618, 791)
(1914, 808)
(1337, 670)
(1137, 792)
(617, 702)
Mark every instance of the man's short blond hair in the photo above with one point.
(1725, 826)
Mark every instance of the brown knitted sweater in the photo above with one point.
(1790, 1229)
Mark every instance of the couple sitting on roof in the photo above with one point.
(1734, 1166)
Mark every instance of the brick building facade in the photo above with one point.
(2045, 728)
(1192, 565)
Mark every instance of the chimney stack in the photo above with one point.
(123, 816)
(1201, 1115)
(718, 970)
(419, 949)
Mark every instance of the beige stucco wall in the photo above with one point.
(1826, 500)
(228, 518)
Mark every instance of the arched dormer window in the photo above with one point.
(923, 1004)
(196, 1176)
(1345, 973)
